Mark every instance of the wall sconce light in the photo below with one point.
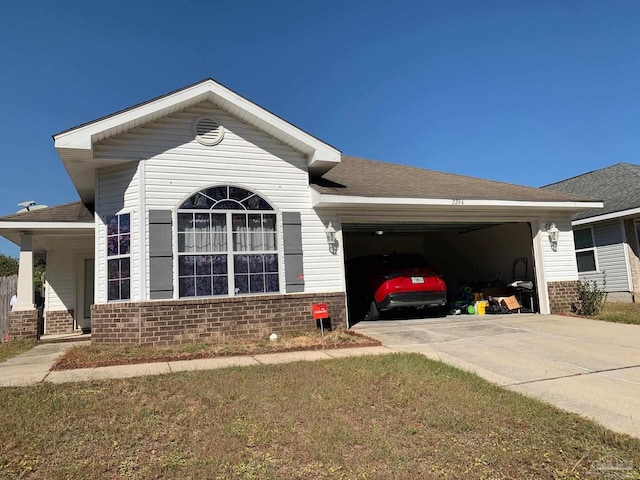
(554, 234)
(331, 234)
(378, 233)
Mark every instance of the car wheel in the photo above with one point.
(372, 312)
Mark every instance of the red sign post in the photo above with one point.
(320, 312)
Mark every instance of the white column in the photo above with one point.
(25, 275)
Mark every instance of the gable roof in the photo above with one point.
(75, 145)
(70, 219)
(75, 212)
(618, 186)
(359, 177)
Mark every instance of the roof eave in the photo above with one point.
(75, 146)
(607, 216)
(13, 230)
(323, 200)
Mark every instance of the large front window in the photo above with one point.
(227, 244)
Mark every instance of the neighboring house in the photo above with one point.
(202, 214)
(606, 239)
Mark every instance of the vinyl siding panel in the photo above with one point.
(176, 166)
(610, 257)
(117, 192)
(60, 288)
(559, 265)
(60, 291)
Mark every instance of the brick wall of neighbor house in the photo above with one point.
(170, 322)
(562, 295)
(23, 325)
(634, 256)
(60, 321)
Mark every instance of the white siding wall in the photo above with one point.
(559, 265)
(610, 257)
(117, 192)
(60, 290)
(176, 166)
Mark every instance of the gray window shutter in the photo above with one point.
(293, 268)
(160, 255)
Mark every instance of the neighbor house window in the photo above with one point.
(119, 256)
(585, 250)
(227, 244)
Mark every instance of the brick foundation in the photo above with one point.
(562, 295)
(59, 322)
(23, 325)
(170, 322)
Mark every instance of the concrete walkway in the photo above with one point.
(32, 367)
(583, 366)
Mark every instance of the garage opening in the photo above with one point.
(473, 259)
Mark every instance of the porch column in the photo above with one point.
(25, 275)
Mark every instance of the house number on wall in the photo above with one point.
(457, 201)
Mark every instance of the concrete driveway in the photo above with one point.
(584, 366)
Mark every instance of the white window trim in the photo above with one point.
(594, 249)
(230, 294)
(130, 255)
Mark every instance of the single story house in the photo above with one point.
(203, 214)
(606, 239)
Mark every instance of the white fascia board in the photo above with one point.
(607, 216)
(82, 137)
(35, 226)
(323, 200)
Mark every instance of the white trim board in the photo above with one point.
(607, 216)
(324, 200)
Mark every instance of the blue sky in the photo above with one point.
(517, 91)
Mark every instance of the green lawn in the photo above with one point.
(13, 348)
(395, 416)
(620, 313)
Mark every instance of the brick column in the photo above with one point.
(562, 295)
(23, 325)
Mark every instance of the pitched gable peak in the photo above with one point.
(75, 145)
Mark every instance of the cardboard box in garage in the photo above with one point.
(510, 302)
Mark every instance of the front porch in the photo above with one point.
(63, 237)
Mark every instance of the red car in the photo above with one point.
(385, 282)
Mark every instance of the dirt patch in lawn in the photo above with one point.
(91, 356)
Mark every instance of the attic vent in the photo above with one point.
(208, 131)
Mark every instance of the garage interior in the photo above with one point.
(479, 255)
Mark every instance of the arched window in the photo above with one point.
(227, 244)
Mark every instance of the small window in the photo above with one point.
(585, 250)
(119, 256)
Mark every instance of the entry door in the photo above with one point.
(85, 292)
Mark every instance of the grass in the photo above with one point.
(13, 348)
(398, 416)
(620, 313)
(91, 356)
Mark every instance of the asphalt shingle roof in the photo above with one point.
(618, 186)
(355, 176)
(69, 212)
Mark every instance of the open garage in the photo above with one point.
(470, 256)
